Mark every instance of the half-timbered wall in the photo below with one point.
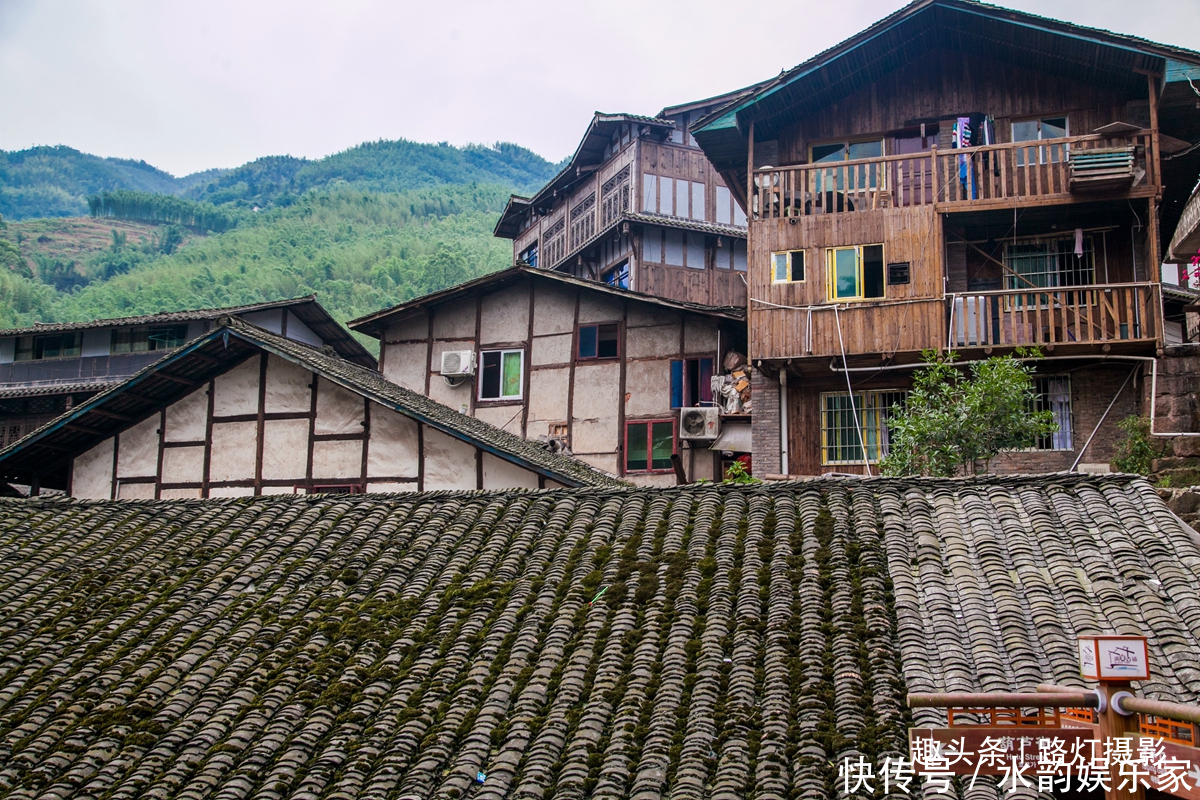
(587, 402)
(269, 426)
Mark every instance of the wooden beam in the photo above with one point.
(176, 378)
(111, 414)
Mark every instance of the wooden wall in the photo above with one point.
(945, 83)
(268, 426)
(908, 234)
(593, 398)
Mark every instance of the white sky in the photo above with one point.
(192, 85)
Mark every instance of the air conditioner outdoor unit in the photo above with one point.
(700, 424)
(457, 363)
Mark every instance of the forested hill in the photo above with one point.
(56, 181)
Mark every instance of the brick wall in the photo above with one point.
(764, 424)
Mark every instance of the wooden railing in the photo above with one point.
(1063, 315)
(997, 173)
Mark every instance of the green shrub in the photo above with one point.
(1137, 451)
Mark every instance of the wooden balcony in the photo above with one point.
(1105, 314)
(1046, 172)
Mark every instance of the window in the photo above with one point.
(697, 200)
(695, 250)
(649, 193)
(141, 340)
(787, 267)
(854, 273)
(691, 382)
(55, 345)
(1053, 393)
(598, 341)
(739, 253)
(500, 375)
(724, 205)
(861, 176)
(618, 276)
(840, 443)
(673, 248)
(1048, 263)
(529, 255)
(666, 200)
(649, 445)
(847, 151)
(1033, 130)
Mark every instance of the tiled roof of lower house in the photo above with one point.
(708, 640)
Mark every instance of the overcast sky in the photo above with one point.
(193, 85)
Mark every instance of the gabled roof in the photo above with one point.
(1073, 50)
(306, 309)
(703, 640)
(373, 324)
(227, 345)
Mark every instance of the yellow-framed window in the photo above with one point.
(854, 273)
(787, 267)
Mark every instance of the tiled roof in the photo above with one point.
(41, 389)
(464, 645)
(714, 228)
(150, 319)
(210, 354)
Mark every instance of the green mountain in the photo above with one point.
(56, 181)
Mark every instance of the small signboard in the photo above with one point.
(1114, 658)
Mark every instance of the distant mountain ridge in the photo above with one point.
(56, 181)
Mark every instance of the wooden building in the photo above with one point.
(49, 368)
(638, 206)
(544, 355)
(959, 177)
(242, 411)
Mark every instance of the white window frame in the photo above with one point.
(520, 395)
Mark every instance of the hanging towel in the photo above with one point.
(1079, 242)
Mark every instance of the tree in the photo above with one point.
(956, 422)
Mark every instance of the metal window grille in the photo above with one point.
(1048, 263)
(839, 433)
(1053, 393)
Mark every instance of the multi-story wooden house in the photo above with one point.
(48, 368)
(958, 177)
(544, 355)
(638, 206)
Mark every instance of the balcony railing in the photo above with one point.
(956, 179)
(1063, 315)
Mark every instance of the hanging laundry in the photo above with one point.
(1079, 242)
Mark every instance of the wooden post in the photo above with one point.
(1114, 725)
(750, 176)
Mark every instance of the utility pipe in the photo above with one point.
(1076, 698)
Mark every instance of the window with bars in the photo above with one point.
(840, 439)
(1053, 393)
(1049, 262)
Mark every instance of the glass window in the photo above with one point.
(698, 200)
(843, 421)
(723, 254)
(724, 205)
(666, 200)
(652, 245)
(598, 341)
(649, 194)
(695, 250)
(739, 255)
(55, 345)
(739, 216)
(1053, 393)
(855, 273)
(829, 152)
(865, 150)
(618, 276)
(1032, 130)
(142, 340)
(787, 267)
(649, 445)
(673, 248)
(500, 377)
(681, 197)
(530, 255)
(691, 382)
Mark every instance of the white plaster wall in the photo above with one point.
(91, 475)
(552, 349)
(505, 316)
(455, 320)
(270, 320)
(412, 327)
(501, 474)
(393, 449)
(297, 330)
(656, 341)
(187, 419)
(594, 408)
(340, 461)
(554, 309)
(699, 335)
(237, 389)
(505, 417)
(392, 487)
(279, 489)
(137, 451)
(285, 449)
(599, 308)
(603, 461)
(231, 491)
(233, 448)
(287, 387)
(8, 349)
(195, 328)
(648, 388)
(548, 393)
(659, 479)
(135, 491)
(96, 342)
(179, 494)
(183, 464)
(339, 410)
(405, 364)
(457, 397)
(449, 462)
